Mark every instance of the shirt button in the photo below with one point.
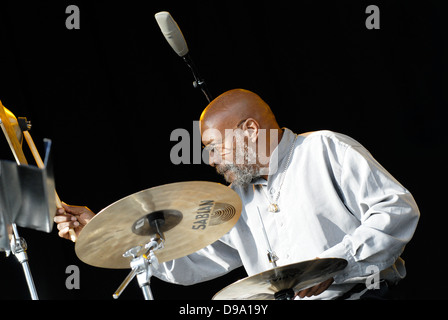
(272, 191)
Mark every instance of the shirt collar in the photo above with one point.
(278, 155)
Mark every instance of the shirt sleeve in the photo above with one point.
(386, 211)
(208, 263)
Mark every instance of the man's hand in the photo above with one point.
(72, 217)
(315, 290)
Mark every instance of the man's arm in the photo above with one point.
(386, 211)
(208, 263)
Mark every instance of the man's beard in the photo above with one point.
(241, 174)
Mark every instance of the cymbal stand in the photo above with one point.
(18, 248)
(141, 265)
(286, 294)
(272, 257)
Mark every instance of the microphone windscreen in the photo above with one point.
(172, 33)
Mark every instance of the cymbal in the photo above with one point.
(282, 281)
(195, 213)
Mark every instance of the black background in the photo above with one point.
(110, 94)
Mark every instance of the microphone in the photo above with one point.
(176, 40)
(172, 32)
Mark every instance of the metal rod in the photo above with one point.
(124, 284)
(29, 280)
(199, 82)
(141, 265)
(272, 257)
(19, 250)
(147, 293)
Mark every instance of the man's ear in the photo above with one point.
(251, 128)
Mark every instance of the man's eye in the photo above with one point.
(209, 148)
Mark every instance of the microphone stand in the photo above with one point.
(198, 82)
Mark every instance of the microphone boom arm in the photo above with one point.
(198, 82)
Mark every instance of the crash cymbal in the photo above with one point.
(282, 281)
(195, 214)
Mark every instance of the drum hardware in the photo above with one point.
(141, 265)
(272, 257)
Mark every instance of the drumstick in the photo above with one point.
(41, 165)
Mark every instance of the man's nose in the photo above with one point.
(214, 158)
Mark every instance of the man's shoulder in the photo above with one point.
(329, 137)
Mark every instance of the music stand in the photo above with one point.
(26, 200)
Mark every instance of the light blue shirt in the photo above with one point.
(335, 201)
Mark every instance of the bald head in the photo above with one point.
(234, 106)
